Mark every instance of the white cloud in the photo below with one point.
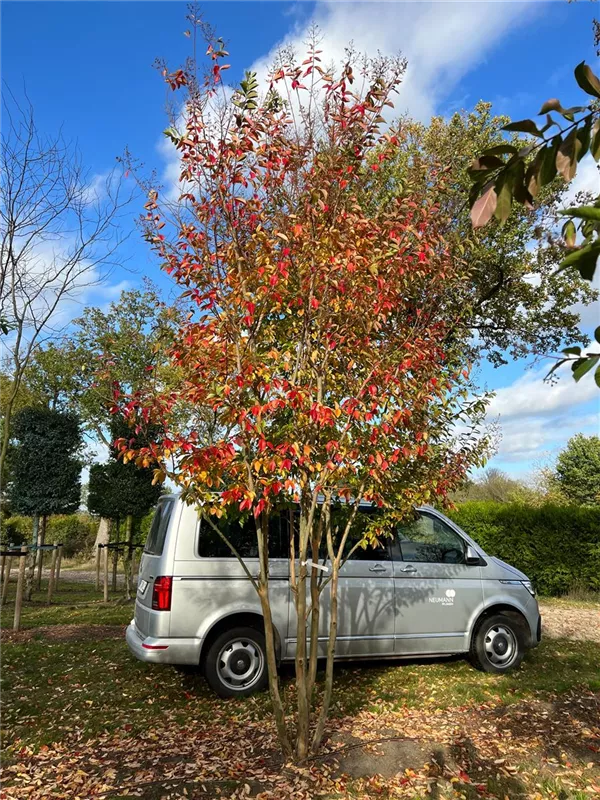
(442, 41)
(536, 417)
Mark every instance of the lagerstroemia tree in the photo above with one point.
(328, 339)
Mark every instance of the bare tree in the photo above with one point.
(59, 235)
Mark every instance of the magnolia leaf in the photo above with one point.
(583, 137)
(533, 174)
(597, 334)
(523, 126)
(597, 377)
(587, 80)
(583, 260)
(595, 143)
(569, 233)
(484, 207)
(553, 104)
(583, 365)
(582, 212)
(572, 351)
(566, 157)
(504, 191)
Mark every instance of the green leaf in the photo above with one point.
(584, 260)
(504, 191)
(523, 126)
(569, 233)
(597, 334)
(572, 351)
(500, 150)
(487, 162)
(582, 212)
(587, 80)
(597, 377)
(583, 365)
(484, 207)
(548, 168)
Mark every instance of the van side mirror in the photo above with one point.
(472, 556)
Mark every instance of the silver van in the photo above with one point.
(429, 590)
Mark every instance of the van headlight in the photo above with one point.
(527, 584)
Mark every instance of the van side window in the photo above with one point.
(242, 535)
(427, 538)
(158, 530)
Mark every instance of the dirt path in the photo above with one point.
(570, 622)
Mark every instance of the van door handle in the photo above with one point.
(408, 569)
(378, 568)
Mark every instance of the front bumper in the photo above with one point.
(162, 651)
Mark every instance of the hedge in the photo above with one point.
(77, 532)
(558, 547)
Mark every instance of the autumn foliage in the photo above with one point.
(327, 340)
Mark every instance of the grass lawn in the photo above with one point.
(74, 603)
(82, 718)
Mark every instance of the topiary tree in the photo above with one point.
(45, 468)
(578, 469)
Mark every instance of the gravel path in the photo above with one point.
(570, 622)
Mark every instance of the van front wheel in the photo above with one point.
(236, 663)
(497, 645)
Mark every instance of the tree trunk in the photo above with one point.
(263, 593)
(127, 555)
(328, 690)
(31, 558)
(103, 535)
(303, 704)
(5, 439)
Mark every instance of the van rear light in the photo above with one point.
(161, 593)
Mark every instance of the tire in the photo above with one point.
(498, 644)
(236, 663)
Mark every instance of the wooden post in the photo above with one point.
(58, 562)
(6, 578)
(115, 562)
(133, 564)
(39, 556)
(97, 567)
(52, 573)
(31, 559)
(2, 566)
(105, 548)
(19, 595)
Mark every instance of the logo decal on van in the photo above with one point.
(447, 600)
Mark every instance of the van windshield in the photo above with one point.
(158, 529)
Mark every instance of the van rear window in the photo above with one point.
(158, 529)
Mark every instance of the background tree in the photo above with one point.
(123, 491)
(523, 305)
(45, 467)
(59, 233)
(493, 484)
(327, 339)
(578, 470)
(517, 172)
(124, 345)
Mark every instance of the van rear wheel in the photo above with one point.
(236, 663)
(497, 645)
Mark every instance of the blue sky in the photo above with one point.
(88, 67)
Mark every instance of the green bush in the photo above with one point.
(77, 532)
(558, 547)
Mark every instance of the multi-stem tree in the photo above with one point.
(328, 339)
